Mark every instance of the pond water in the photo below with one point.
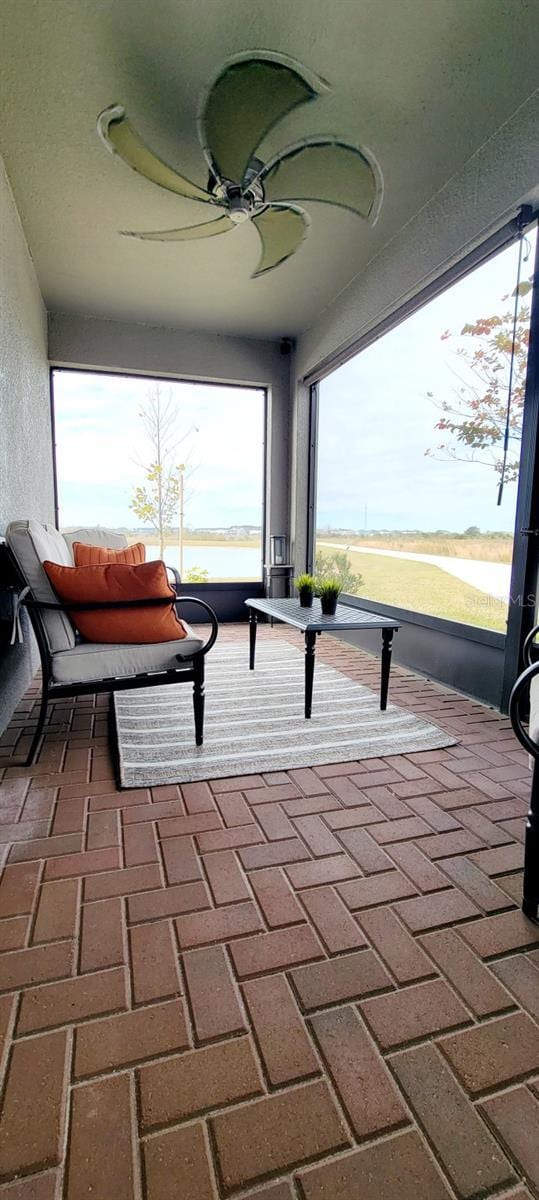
(221, 562)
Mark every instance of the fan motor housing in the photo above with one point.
(239, 205)
(242, 201)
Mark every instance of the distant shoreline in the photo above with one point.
(487, 546)
(196, 540)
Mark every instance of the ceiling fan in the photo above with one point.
(250, 95)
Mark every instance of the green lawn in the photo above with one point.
(426, 589)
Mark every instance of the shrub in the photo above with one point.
(337, 565)
(196, 575)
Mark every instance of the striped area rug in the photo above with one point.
(255, 722)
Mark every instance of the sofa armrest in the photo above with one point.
(529, 646)
(213, 619)
(521, 687)
(175, 575)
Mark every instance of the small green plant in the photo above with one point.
(305, 585)
(330, 586)
(304, 581)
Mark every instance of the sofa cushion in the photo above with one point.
(111, 538)
(92, 556)
(110, 582)
(31, 543)
(98, 535)
(90, 661)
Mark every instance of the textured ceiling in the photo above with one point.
(423, 83)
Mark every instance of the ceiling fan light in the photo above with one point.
(239, 207)
(250, 95)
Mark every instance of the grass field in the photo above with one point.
(423, 588)
(484, 549)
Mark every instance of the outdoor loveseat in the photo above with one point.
(71, 666)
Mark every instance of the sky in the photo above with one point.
(376, 421)
(101, 444)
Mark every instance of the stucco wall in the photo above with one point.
(26, 480)
(148, 349)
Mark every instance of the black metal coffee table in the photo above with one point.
(313, 622)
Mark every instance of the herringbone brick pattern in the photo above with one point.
(313, 984)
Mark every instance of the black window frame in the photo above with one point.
(229, 585)
(521, 616)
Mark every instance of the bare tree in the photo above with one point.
(157, 501)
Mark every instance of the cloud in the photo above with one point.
(102, 446)
(376, 421)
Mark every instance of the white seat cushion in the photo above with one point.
(31, 543)
(95, 660)
(98, 536)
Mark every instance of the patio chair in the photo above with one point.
(528, 683)
(72, 667)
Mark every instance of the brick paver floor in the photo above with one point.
(313, 984)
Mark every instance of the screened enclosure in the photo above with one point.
(176, 465)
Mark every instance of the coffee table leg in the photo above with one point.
(310, 647)
(253, 622)
(387, 645)
(198, 698)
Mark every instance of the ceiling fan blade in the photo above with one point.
(328, 170)
(187, 234)
(281, 231)
(122, 139)
(247, 99)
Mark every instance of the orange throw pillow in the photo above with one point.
(117, 581)
(93, 556)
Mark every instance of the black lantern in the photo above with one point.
(278, 549)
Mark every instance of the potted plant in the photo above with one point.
(329, 590)
(305, 586)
